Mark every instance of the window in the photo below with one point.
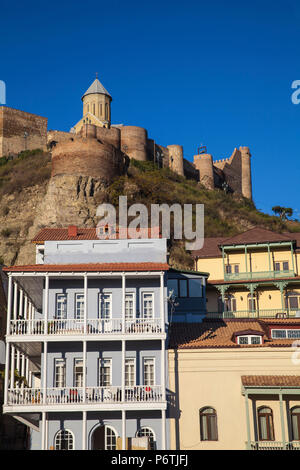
(94, 108)
(110, 438)
(208, 424)
(60, 373)
(252, 302)
(286, 334)
(149, 371)
(104, 372)
(173, 286)
(295, 419)
(61, 306)
(78, 373)
(292, 300)
(147, 432)
(129, 306)
(129, 372)
(147, 305)
(229, 304)
(265, 424)
(79, 306)
(105, 306)
(183, 288)
(281, 266)
(64, 440)
(232, 268)
(249, 339)
(195, 287)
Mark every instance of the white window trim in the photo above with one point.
(75, 309)
(108, 426)
(56, 362)
(154, 370)
(249, 339)
(150, 429)
(74, 369)
(101, 359)
(99, 305)
(146, 292)
(133, 293)
(64, 430)
(286, 332)
(57, 295)
(134, 368)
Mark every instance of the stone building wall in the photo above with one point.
(21, 131)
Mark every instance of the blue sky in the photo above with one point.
(217, 73)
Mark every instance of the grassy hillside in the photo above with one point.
(23, 183)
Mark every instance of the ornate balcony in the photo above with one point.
(258, 275)
(264, 313)
(273, 445)
(92, 395)
(96, 326)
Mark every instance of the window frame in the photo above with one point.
(100, 300)
(147, 428)
(133, 359)
(144, 293)
(81, 318)
(208, 417)
(249, 338)
(286, 330)
(58, 434)
(152, 359)
(268, 428)
(133, 294)
(58, 302)
(100, 366)
(77, 359)
(292, 413)
(56, 375)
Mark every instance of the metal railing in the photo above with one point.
(258, 275)
(71, 395)
(273, 445)
(71, 326)
(259, 313)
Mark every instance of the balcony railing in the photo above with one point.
(258, 275)
(93, 327)
(264, 313)
(71, 395)
(274, 445)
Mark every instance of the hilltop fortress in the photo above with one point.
(96, 147)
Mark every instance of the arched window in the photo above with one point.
(265, 424)
(64, 440)
(208, 424)
(229, 304)
(147, 432)
(252, 302)
(104, 438)
(295, 418)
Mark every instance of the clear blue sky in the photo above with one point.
(212, 72)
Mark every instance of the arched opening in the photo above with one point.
(147, 432)
(265, 424)
(104, 438)
(208, 424)
(64, 440)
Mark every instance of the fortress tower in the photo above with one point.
(96, 107)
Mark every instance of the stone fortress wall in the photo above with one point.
(102, 150)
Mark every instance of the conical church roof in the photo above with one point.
(96, 87)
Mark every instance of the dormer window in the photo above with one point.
(287, 333)
(249, 339)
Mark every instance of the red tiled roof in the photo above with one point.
(211, 247)
(221, 334)
(271, 380)
(58, 234)
(89, 267)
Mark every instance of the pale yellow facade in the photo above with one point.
(202, 378)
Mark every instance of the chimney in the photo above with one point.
(72, 231)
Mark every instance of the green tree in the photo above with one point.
(283, 212)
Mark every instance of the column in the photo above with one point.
(21, 304)
(123, 301)
(22, 368)
(45, 372)
(246, 261)
(12, 368)
(269, 257)
(248, 421)
(18, 366)
(46, 304)
(123, 369)
(84, 416)
(9, 298)
(123, 430)
(223, 254)
(6, 376)
(282, 420)
(292, 254)
(15, 299)
(85, 302)
(46, 431)
(163, 370)
(163, 430)
(43, 430)
(162, 303)
(84, 372)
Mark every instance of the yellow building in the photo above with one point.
(233, 385)
(96, 107)
(252, 275)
